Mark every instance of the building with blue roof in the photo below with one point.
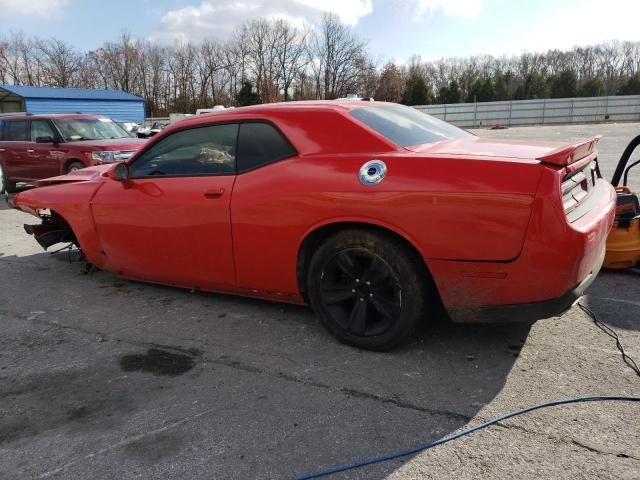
(120, 106)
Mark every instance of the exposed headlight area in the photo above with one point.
(110, 156)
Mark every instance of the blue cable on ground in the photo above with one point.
(426, 446)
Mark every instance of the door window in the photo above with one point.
(259, 144)
(40, 128)
(209, 150)
(17, 131)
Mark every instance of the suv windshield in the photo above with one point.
(76, 129)
(406, 126)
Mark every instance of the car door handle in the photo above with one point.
(214, 193)
(30, 150)
(2, 150)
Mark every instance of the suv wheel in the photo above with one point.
(367, 289)
(6, 185)
(73, 166)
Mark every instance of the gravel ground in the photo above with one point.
(102, 378)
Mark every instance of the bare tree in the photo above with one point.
(290, 45)
(20, 61)
(281, 62)
(336, 55)
(60, 62)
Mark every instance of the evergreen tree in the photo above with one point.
(631, 86)
(482, 90)
(594, 87)
(563, 85)
(451, 94)
(246, 95)
(416, 91)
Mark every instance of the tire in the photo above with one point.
(368, 289)
(5, 184)
(73, 166)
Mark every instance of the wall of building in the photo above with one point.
(116, 109)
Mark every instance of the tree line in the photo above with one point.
(273, 60)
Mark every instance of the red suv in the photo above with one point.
(33, 147)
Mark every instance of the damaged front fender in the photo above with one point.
(53, 229)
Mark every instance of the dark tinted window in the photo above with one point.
(197, 151)
(17, 131)
(1, 130)
(259, 144)
(40, 128)
(406, 126)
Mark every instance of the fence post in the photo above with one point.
(445, 112)
(510, 111)
(544, 109)
(573, 101)
(475, 112)
(606, 107)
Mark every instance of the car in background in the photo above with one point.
(150, 131)
(375, 214)
(33, 147)
(216, 108)
(130, 127)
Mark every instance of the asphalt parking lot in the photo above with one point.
(103, 378)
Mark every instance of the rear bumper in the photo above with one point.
(527, 312)
(559, 260)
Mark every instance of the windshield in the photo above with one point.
(77, 129)
(406, 126)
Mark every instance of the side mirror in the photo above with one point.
(120, 172)
(47, 139)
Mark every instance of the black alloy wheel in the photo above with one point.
(368, 289)
(359, 291)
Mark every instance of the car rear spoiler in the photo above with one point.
(564, 156)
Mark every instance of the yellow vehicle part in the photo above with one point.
(623, 245)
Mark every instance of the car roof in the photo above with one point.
(327, 105)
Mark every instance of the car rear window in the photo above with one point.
(16, 131)
(259, 144)
(406, 126)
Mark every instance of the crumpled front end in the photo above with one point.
(53, 229)
(65, 211)
(83, 175)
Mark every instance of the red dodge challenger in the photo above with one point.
(373, 213)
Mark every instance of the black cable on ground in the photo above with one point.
(426, 446)
(612, 333)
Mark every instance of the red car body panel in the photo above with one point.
(486, 216)
(160, 231)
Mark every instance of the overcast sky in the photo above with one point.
(394, 29)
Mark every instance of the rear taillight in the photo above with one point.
(577, 186)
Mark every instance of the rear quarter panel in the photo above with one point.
(447, 207)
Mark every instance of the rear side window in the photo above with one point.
(40, 128)
(406, 126)
(260, 144)
(17, 131)
(196, 151)
(1, 130)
